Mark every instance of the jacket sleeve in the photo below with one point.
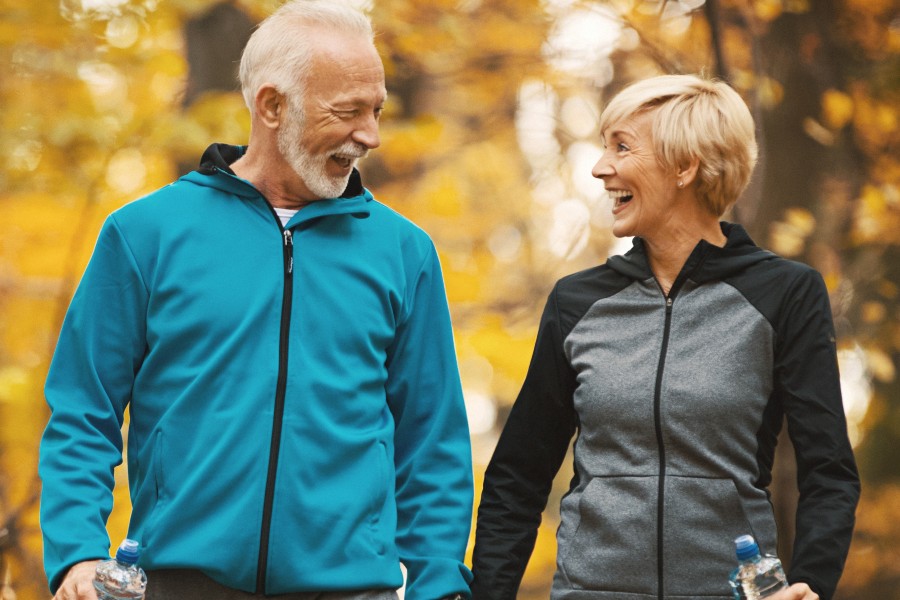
(433, 456)
(88, 386)
(807, 375)
(520, 474)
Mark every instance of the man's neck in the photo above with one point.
(275, 180)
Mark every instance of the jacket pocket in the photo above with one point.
(702, 518)
(158, 489)
(614, 545)
(382, 482)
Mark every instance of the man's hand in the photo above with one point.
(79, 582)
(798, 591)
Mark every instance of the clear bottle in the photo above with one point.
(120, 578)
(756, 576)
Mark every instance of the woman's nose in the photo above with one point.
(603, 168)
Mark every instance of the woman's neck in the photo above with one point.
(667, 253)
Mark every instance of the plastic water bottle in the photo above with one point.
(120, 578)
(756, 576)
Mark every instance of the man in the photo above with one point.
(283, 341)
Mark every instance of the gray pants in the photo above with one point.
(181, 584)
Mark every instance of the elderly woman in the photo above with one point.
(676, 365)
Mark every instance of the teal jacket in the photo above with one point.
(296, 415)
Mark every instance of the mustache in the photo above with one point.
(352, 150)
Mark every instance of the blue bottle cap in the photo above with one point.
(745, 547)
(128, 552)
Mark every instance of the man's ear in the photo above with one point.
(688, 173)
(270, 105)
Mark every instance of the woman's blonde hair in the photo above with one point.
(695, 118)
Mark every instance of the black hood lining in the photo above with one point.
(218, 157)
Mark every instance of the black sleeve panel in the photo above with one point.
(534, 441)
(527, 457)
(795, 300)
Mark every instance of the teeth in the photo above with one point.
(618, 194)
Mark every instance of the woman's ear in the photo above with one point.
(686, 174)
(270, 105)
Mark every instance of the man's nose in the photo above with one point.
(367, 133)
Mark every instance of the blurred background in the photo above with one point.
(489, 136)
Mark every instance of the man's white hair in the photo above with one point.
(279, 51)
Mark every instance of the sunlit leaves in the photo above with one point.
(487, 139)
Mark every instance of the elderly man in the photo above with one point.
(283, 344)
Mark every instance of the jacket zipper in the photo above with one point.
(278, 416)
(657, 420)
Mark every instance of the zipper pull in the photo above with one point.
(668, 302)
(288, 244)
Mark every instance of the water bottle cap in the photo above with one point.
(745, 547)
(128, 552)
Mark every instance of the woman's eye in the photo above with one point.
(622, 147)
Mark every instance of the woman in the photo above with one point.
(675, 364)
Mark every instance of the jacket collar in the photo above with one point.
(707, 262)
(215, 171)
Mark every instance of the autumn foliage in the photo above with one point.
(488, 140)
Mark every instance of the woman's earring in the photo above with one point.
(680, 183)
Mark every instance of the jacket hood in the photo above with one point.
(215, 171)
(707, 262)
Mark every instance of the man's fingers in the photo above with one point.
(78, 583)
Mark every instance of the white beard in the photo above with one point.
(311, 167)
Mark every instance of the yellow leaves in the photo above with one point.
(36, 234)
(874, 558)
(837, 108)
(22, 418)
(11, 378)
(494, 356)
(169, 70)
(770, 92)
(767, 10)
(122, 31)
(873, 312)
(507, 350)
(877, 218)
(463, 283)
(215, 116)
(788, 236)
(876, 123)
(405, 143)
(880, 365)
(125, 173)
(444, 199)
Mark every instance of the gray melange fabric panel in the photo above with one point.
(715, 384)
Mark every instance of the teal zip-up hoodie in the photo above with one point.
(296, 416)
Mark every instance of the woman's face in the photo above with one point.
(641, 190)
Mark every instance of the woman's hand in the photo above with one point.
(78, 583)
(798, 591)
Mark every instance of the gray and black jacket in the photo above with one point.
(677, 401)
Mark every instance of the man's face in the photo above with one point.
(335, 121)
